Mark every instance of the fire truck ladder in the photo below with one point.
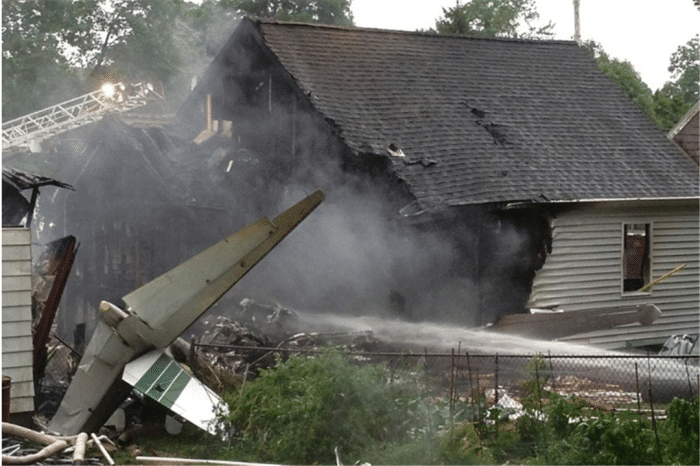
(77, 112)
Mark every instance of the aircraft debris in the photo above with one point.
(160, 311)
(162, 379)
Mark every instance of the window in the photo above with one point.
(636, 264)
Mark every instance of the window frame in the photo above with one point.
(649, 232)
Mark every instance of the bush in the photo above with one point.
(679, 433)
(303, 408)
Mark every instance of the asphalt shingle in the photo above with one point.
(482, 120)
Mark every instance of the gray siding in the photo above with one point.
(17, 316)
(584, 269)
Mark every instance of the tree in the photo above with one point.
(685, 71)
(494, 18)
(677, 96)
(57, 50)
(666, 106)
(34, 72)
(128, 39)
(336, 12)
(625, 76)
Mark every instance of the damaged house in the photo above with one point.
(465, 178)
(551, 188)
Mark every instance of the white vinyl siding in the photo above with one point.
(584, 270)
(17, 348)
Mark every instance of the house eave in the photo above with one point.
(684, 121)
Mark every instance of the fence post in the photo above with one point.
(639, 394)
(495, 391)
(544, 428)
(471, 386)
(653, 417)
(653, 425)
(495, 380)
(690, 385)
(478, 403)
(452, 394)
(551, 371)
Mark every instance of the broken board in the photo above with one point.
(555, 325)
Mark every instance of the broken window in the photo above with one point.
(636, 264)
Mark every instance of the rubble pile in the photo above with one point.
(248, 341)
(53, 385)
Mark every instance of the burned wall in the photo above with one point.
(357, 253)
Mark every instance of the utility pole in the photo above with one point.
(577, 22)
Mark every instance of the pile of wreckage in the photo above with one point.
(230, 351)
(130, 352)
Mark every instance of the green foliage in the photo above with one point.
(336, 12)
(668, 105)
(685, 71)
(625, 76)
(303, 408)
(299, 411)
(669, 108)
(494, 18)
(677, 96)
(680, 432)
(31, 58)
(607, 439)
(57, 50)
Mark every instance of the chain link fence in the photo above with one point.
(607, 382)
(604, 382)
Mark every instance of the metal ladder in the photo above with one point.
(77, 112)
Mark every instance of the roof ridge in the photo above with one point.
(272, 21)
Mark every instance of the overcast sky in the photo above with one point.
(644, 32)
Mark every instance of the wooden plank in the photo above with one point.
(16, 253)
(16, 344)
(16, 329)
(13, 360)
(17, 283)
(17, 298)
(21, 405)
(12, 236)
(12, 268)
(16, 314)
(20, 376)
(559, 324)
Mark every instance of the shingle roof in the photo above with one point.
(482, 120)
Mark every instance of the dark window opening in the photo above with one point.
(635, 257)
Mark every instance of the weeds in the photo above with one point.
(300, 410)
(303, 408)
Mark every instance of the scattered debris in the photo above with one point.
(102, 449)
(395, 151)
(18, 441)
(680, 345)
(49, 281)
(158, 312)
(165, 460)
(231, 349)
